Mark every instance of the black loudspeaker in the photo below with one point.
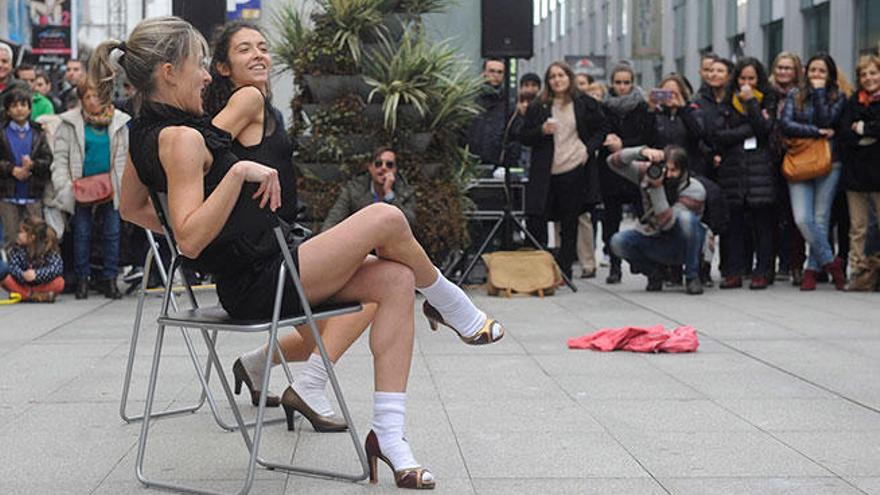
(205, 15)
(506, 29)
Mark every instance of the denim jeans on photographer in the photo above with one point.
(82, 239)
(683, 243)
(811, 202)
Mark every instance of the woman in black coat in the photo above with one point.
(860, 136)
(746, 173)
(564, 129)
(627, 123)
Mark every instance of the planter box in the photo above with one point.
(325, 172)
(420, 141)
(326, 88)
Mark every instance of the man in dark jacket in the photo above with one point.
(486, 132)
(381, 184)
(521, 155)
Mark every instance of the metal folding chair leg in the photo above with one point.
(153, 254)
(358, 445)
(253, 445)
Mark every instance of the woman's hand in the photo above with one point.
(745, 93)
(269, 191)
(827, 133)
(549, 126)
(859, 127)
(613, 143)
(817, 83)
(29, 275)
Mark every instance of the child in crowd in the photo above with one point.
(35, 267)
(25, 162)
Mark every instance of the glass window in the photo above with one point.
(705, 27)
(772, 40)
(624, 19)
(609, 27)
(679, 16)
(738, 45)
(737, 16)
(562, 18)
(545, 6)
(816, 32)
(868, 26)
(554, 24)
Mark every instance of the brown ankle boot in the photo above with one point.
(835, 270)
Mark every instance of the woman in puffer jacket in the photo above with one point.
(746, 173)
(860, 134)
(813, 111)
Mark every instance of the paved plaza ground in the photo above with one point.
(783, 396)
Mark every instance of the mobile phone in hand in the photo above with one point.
(660, 95)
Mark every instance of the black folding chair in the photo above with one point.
(214, 319)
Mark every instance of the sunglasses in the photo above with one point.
(388, 164)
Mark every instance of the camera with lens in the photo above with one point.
(656, 170)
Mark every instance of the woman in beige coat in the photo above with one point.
(90, 141)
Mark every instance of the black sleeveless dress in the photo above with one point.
(244, 258)
(274, 150)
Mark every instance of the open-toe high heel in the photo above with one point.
(292, 402)
(241, 376)
(492, 330)
(417, 478)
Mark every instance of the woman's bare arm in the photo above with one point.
(134, 200)
(242, 117)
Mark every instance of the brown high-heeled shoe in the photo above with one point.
(413, 478)
(484, 336)
(241, 376)
(291, 401)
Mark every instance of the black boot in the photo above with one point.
(614, 276)
(82, 289)
(110, 290)
(655, 281)
(694, 286)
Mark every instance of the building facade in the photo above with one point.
(663, 36)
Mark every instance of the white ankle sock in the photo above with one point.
(253, 363)
(310, 384)
(389, 424)
(454, 305)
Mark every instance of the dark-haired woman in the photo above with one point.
(238, 101)
(813, 111)
(627, 123)
(563, 127)
(747, 173)
(217, 209)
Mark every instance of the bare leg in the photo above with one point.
(330, 259)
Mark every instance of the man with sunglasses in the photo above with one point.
(381, 183)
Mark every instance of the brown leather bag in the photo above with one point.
(806, 158)
(94, 189)
(525, 272)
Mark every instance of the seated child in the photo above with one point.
(34, 268)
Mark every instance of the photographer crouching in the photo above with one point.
(670, 231)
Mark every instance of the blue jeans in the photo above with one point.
(811, 202)
(82, 239)
(683, 243)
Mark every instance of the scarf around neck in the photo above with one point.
(102, 119)
(622, 105)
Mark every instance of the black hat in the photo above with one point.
(530, 77)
